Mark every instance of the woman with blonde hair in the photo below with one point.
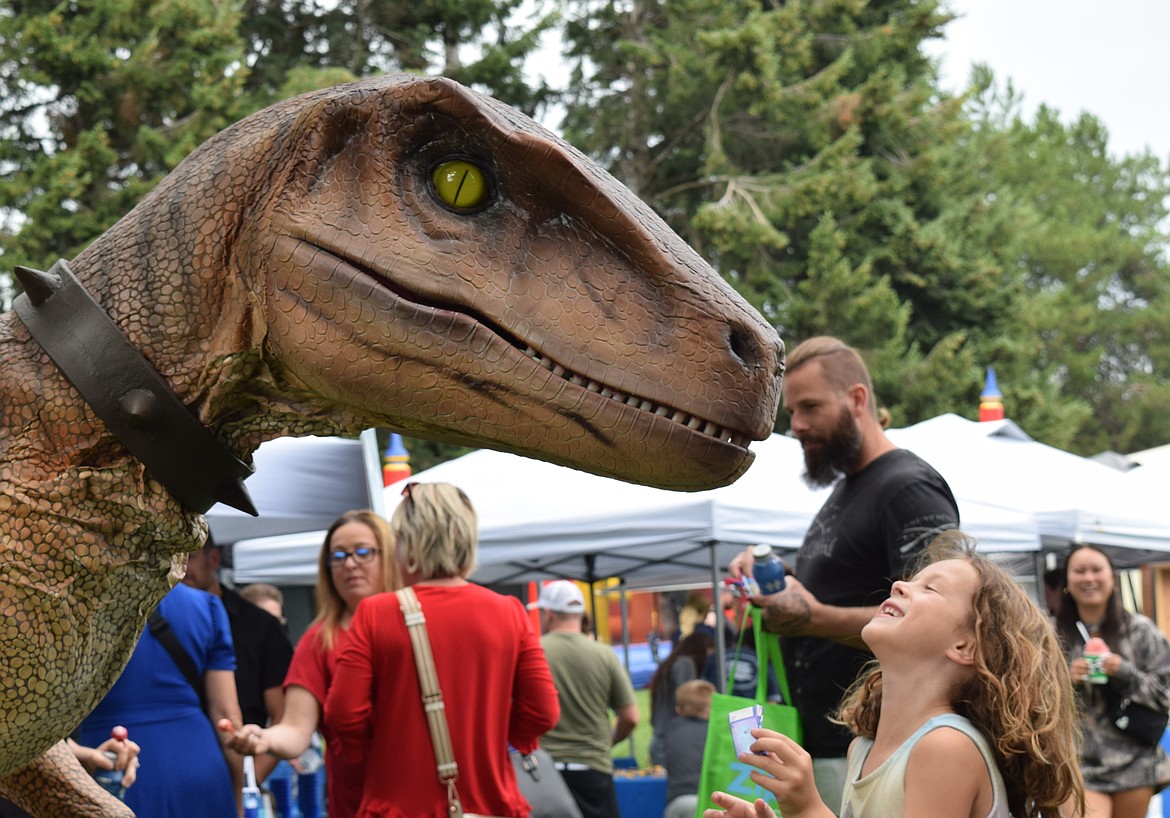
(357, 560)
(968, 711)
(496, 686)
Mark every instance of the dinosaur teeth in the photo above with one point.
(705, 427)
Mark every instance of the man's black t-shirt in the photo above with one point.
(263, 654)
(874, 524)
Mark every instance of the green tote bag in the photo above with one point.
(721, 769)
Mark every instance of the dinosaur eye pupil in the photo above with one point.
(460, 184)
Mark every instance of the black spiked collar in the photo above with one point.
(126, 392)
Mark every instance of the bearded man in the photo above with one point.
(887, 505)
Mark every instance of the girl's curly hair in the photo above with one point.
(1020, 696)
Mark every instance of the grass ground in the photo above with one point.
(642, 733)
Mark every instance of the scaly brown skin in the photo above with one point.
(299, 275)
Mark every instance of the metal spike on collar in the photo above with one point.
(127, 393)
(38, 286)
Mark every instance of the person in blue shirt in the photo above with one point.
(189, 774)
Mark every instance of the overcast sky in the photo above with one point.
(1111, 59)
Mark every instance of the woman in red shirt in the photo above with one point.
(357, 560)
(497, 689)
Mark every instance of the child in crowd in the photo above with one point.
(968, 711)
(683, 742)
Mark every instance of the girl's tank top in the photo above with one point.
(882, 793)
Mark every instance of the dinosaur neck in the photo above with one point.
(135, 403)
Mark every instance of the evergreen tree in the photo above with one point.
(803, 148)
(283, 38)
(98, 101)
(1090, 243)
(482, 43)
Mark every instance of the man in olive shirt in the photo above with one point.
(590, 682)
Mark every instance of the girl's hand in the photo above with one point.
(786, 772)
(249, 740)
(738, 808)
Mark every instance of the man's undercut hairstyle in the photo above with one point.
(841, 364)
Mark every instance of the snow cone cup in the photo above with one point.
(1095, 652)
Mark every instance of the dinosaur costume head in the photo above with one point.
(400, 252)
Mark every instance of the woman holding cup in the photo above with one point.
(1112, 653)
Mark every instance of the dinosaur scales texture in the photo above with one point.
(399, 252)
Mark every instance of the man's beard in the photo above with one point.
(835, 456)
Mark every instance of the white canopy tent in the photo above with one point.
(300, 484)
(539, 521)
(1071, 498)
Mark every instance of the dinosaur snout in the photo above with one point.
(757, 348)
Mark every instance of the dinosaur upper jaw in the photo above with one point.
(437, 357)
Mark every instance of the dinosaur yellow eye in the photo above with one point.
(460, 184)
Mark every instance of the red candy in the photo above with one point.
(119, 733)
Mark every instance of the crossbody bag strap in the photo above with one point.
(738, 647)
(160, 629)
(432, 695)
(768, 652)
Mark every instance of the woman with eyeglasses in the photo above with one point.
(357, 560)
(495, 682)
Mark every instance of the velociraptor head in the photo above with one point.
(404, 252)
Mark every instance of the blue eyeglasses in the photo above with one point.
(360, 555)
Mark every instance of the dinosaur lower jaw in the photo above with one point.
(692, 422)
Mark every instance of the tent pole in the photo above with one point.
(626, 645)
(625, 624)
(372, 460)
(720, 642)
(1041, 563)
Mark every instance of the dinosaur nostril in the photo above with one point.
(757, 349)
(745, 346)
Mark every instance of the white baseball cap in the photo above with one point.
(560, 596)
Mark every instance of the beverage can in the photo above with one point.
(768, 569)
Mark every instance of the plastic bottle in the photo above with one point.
(110, 780)
(768, 570)
(251, 798)
(250, 795)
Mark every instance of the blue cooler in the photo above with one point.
(280, 784)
